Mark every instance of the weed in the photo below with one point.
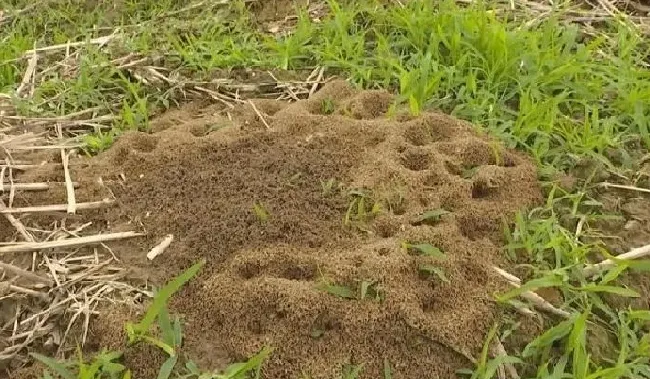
(425, 249)
(365, 290)
(430, 217)
(327, 106)
(260, 212)
(370, 289)
(234, 371)
(330, 186)
(430, 270)
(388, 372)
(293, 48)
(351, 371)
(487, 368)
(361, 208)
(96, 143)
(103, 365)
(338, 291)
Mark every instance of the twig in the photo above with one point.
(45, 147)
(29, 74)
(216, 96)
(58, 207)
(25, 291)
(259, 114)
(639, 252)
(499, 350)
(319, 78)
(160, 248)
(620, 186)
(95, 41)
(531, 296)
(19, 167)
(69, 188)
(16, 224)
(25, 274)
(28, 186)
(69, 242)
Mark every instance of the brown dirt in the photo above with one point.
(274, 10)
(258, 287)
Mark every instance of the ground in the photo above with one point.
(348, 191)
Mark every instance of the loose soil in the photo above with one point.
(200, 176)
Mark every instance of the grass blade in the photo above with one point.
(639, 315)
(532, 285)
(388, 373)
(59, 368)
(167, 367)
(433, 270)
(428, 250)
(339, 291)
(163, 296)
(621, 291)
(557, 332)
(430, 217)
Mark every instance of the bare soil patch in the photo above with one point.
(201, 179)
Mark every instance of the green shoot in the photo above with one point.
(424, 249)
(260, 212)
(141, 330)
(352, 371)
(338, 291)
(327, 106)
(430, 217)
(431, 270)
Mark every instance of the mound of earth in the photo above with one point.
(326, 197)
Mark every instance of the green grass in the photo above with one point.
(547, 88)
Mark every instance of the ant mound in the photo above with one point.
(334, 234)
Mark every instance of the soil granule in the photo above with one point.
(201, 178)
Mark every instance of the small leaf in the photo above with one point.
(260, 212)
(352, 371)
(339, 291)
(546, 339)
(437, 271)
(532, 285)
(639, 315)
(59, 368)
(165, 327)
(317, 333)
(178, 332)
(192, 367)
(388, 373)
(364, 288)
(578, 345)
(236, 370)
(127, 375)
(494, 364)
(614, 272)
(113, 368)
(639, 265)
(428, 250)
(167, 367)
(621, 291)
(430, 216)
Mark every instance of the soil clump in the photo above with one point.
(335, 192)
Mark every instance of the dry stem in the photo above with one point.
(69, 242)
(531, 296)
(639, 252)
(58, 207)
